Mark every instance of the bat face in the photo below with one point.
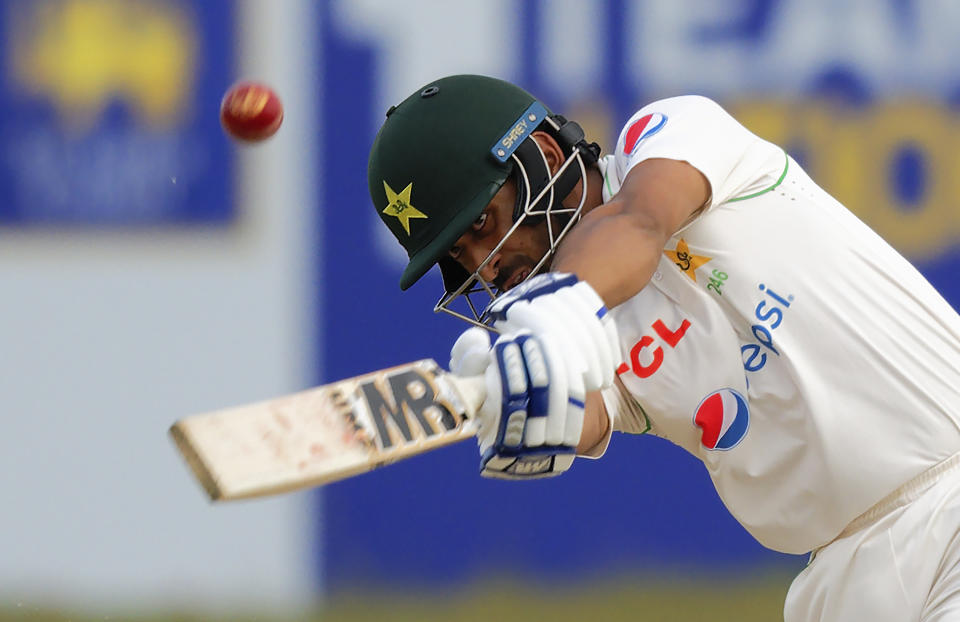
(404, 405)
(329, 432)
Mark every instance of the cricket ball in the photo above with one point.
(251, 112)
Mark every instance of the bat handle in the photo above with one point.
(472, 390)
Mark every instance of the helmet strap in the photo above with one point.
(529, 159)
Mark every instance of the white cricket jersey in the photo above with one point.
(808, 365)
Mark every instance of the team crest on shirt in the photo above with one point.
(723, 417)
(644, 127)
(687, 261)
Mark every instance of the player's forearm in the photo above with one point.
(614, 250)
(616, 247)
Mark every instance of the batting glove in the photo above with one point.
(557, 343)
(470, 354)
(568, 312)
(531, 419)
(533, 415)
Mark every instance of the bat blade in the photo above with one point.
(328, 433)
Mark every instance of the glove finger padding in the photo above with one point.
(495, 408)
(538, 373)
(564, 362)
(565, 417)
(527, 406)
(557, 331)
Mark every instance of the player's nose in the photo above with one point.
(489, 271)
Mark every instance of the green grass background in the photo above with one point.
(715, 599)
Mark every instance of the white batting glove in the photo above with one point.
(557, 343)
(470, 354)
(533, 415)
(572, 315)
(530, 422)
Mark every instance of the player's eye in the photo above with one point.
(480, 222)
(477, 227)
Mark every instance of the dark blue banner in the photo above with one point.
(432, 519)
(647, 505)
(109, 112)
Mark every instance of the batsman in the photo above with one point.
(697, 285)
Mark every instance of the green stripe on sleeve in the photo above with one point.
(606, 181)
(786, 165)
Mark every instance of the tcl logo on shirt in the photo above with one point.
(669, 336)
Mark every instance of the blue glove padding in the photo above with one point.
(526, 389)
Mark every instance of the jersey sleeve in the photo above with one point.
(698, 131)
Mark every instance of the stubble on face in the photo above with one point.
(521, 254)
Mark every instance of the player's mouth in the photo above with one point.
(515, 279)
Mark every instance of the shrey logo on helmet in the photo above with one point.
(724, 418)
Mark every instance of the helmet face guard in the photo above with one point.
(539, 199)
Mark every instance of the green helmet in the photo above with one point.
(444, 152)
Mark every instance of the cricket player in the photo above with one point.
(695, 284)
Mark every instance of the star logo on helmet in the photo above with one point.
(399, 205)
(685, 260)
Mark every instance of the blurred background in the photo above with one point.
(150, 268)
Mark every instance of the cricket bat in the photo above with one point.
(330, 432)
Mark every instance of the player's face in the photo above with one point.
(520, 253)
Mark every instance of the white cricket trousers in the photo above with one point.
(898, 562)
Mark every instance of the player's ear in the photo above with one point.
(551, 150)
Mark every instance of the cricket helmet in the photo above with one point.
(444, 152)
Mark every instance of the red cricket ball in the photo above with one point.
(251, 111)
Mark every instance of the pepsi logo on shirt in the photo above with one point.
(724, 418)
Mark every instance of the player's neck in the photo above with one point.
(594, 189)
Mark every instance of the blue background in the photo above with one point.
(647, 505)
(117, 168)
